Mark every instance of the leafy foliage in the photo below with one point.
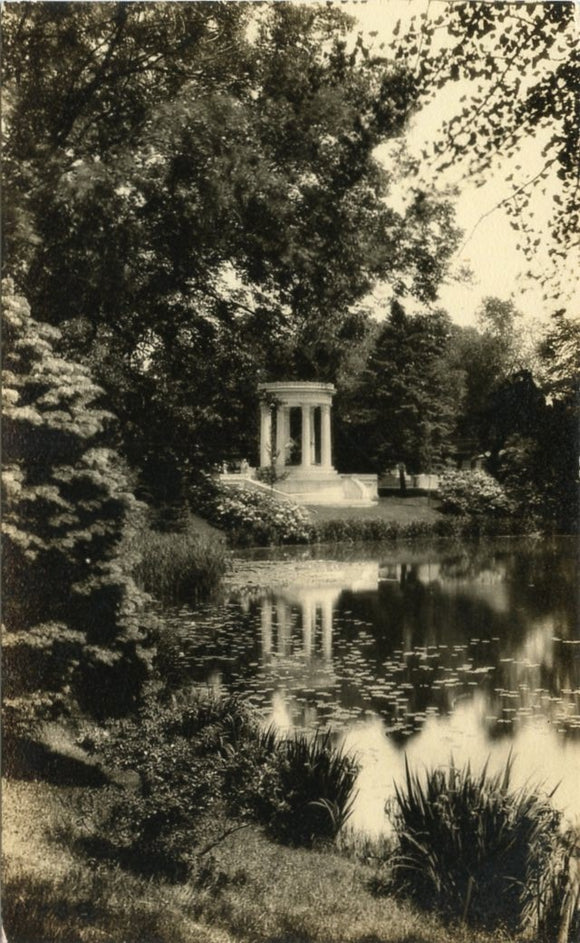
(201, 205)
(71, 607)
(518, 69)
(211, 761)
(560, 354)
(473, 492)
(469, 846)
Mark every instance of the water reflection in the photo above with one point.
(471, 651)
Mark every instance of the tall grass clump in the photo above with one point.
(178, 567)
(306, 790)
(470, 847)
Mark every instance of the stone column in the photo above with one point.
(313, 435)
(265, 435)
(281, 434)
(306, 435)
(326, 443)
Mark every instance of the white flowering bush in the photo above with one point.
(252, 517)
(473, 493)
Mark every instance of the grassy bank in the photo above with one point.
(246, 890)
(224, 831)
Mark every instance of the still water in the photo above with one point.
(466, 651)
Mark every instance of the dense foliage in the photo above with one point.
(406, 404)
(257, 517)
(183, 566)
(207, 768)
(71, 608)
(196, 196)
(473, 493)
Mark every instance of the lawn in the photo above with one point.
(392, 508)
(248, 890)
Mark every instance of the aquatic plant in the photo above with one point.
(306, 789)
(469, 846)
(352, 530)
(553, 905)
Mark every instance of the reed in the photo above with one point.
(306, 791)
(178, 567)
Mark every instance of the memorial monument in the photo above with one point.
(296, 445)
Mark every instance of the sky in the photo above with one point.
(489, 244)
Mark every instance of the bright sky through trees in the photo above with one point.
(489, 247)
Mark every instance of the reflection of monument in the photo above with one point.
(310, 606)
(296, 438)
(315, 610)
(296, 623)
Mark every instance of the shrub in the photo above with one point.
(205, 766)
(469, 847)
(180, 755)
(473, 493)
(71, 606)
(252, 517)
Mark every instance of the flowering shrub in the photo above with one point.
(252, 517)
(472, 493)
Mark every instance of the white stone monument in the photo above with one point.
(296, 442)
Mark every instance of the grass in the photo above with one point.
(392, 509)
(178, 567)
(249, 890)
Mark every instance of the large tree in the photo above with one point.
(199, 178)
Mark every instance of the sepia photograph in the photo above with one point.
(290, 471)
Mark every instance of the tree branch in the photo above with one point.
(507, 199)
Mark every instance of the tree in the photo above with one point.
(236, 199)
(519, 71)
(71, 609)
(407, 405)
(560, 359)
(534, 447)
(490, 355)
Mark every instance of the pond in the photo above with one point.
(427, 652)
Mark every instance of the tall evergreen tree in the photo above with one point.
(71, 610)
(407, 406)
